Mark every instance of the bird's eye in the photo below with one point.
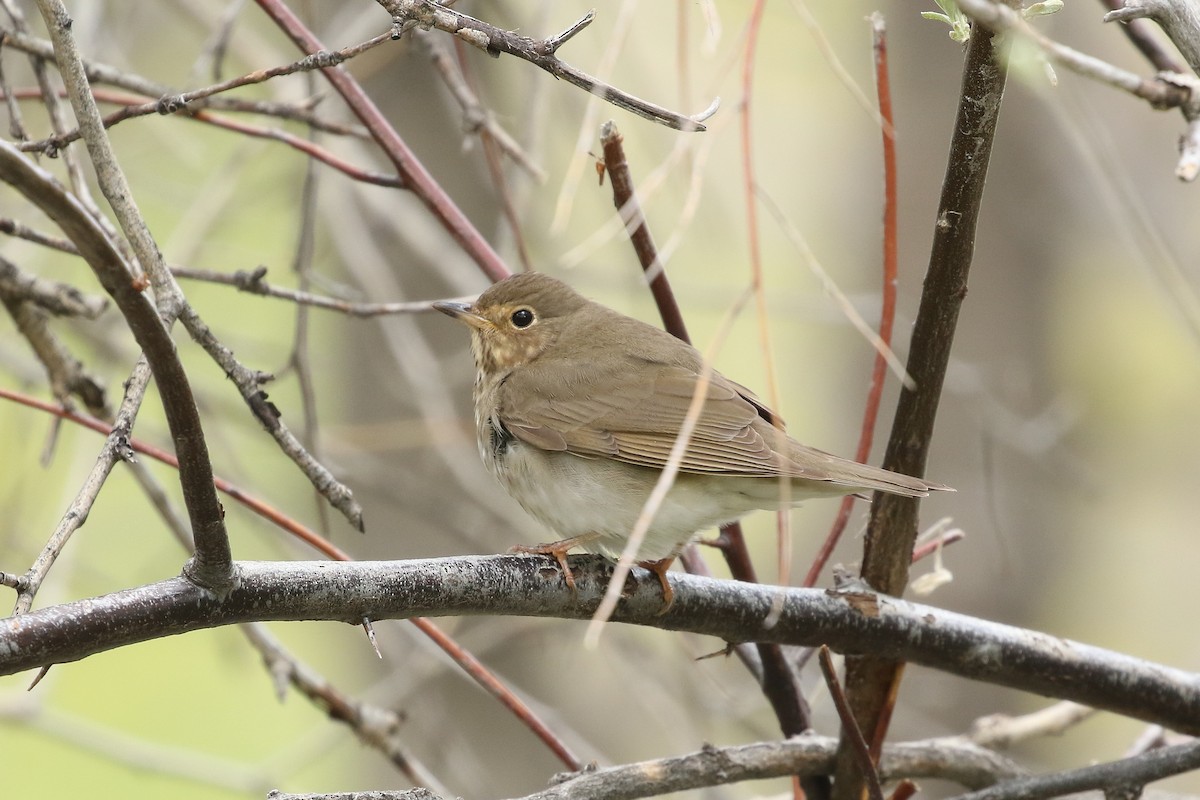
(522, 318)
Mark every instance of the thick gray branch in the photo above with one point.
(513, 585)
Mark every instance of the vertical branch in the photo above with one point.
(779, 682)
(871, 684)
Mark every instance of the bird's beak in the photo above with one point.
(462, 312)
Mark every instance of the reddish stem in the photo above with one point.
(887, 314)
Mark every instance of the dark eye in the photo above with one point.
(522, 318)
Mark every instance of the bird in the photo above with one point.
(578, 406)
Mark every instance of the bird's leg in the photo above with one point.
(659, 568)
(557, 550)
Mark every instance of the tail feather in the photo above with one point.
(857, 477)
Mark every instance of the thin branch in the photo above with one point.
(100, 73)
(1138, 32)
(891, 533)
(476, 117)
(325, 156)
(60, 299)
(54, 108)
(1179, 19)
(190, 102)
(809, 756)
(779, 683)
(486, 679)
(374, 726)
(862, 623)
(67, 375)
(1000, 731)
(249, 384)
(322, 154)
(620, 178)
(491, 146)
(115, 448)
(20, 230)
(887, 313)
(1000, 18)
(299, 359)
(539, 52)
(252, 281)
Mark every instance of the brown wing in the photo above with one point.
(631, 405)
(616, 415)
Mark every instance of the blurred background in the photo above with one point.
(1068, 424)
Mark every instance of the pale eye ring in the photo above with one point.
(522, 318)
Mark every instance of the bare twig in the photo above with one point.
(539, 52)
(375, 726)
(55, 109)
(1138, 32)
(630, 212)
(476, 117)
(190, 102)
(67, 375)
(947, 759)
(101, 73)
(249, 384)
(1000, 18)
(252, 281)
(222, 121)
(115, 448)
(999, 731)
(60, 299)
(1179, 19)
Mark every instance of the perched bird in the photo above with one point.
(577, 408)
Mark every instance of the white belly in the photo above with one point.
(599, 500)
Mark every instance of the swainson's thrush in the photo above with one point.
(577, 408)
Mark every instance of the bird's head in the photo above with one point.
(516, 320)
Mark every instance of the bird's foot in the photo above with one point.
(556, 550)
(659, 568)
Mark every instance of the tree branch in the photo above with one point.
(1123, 778)
(949, 759)
(881, 626)
(892, 530)
(539, 52)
